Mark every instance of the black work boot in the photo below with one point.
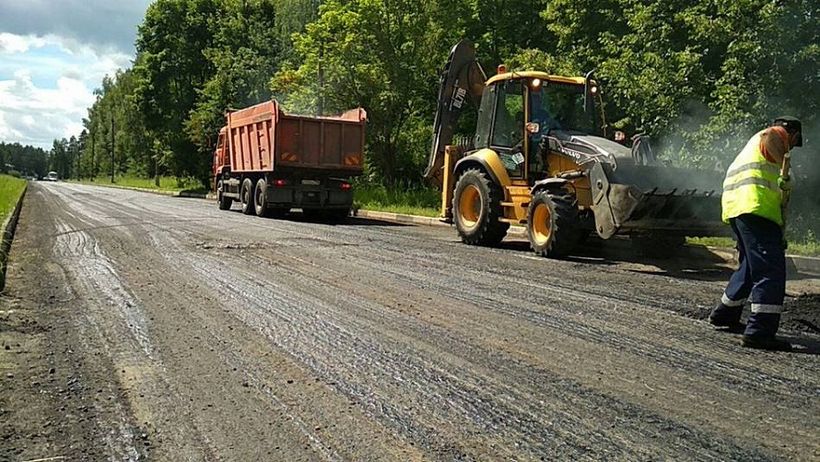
(766, 343)
(728, 317)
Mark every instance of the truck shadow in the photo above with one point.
(299, 217)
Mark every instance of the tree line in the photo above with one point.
(699, 77)
(19, 160)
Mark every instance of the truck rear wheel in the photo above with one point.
(259, 201)
(552, 223)
(246, 197)
(477, 209)
(224, 202)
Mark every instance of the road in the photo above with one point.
(137, 326)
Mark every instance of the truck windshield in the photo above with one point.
(560, 106)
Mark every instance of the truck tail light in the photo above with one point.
(279, 183)
(345, 186)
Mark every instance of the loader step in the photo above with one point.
(512, 221)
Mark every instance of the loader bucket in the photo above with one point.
(655, 199)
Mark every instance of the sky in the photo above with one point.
(53, 54)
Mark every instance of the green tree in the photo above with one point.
(172, 69)
(383, 56)
(244, 55)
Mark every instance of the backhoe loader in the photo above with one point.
(541, 157)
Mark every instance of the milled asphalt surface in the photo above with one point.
(136, 326)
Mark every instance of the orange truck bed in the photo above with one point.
(264, 138)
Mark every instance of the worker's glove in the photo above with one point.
(785, 184)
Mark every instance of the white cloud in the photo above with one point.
(102, 24)
(53, 53)
(11, 43)
(46, 86)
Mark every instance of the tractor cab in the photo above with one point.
(520, 111)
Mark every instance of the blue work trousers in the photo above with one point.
(761, 274)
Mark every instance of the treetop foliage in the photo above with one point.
(698, 76)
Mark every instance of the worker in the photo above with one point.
(752, 205)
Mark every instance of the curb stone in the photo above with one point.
(8, 228)
(794, 263)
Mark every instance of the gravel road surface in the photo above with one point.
(142, 327)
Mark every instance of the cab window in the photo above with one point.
(560, 106)
(509, 115)
(485, 118)
(508, 129)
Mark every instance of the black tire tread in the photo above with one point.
(247, 208)
(490, 231)
(566, 231)
(261, 210)
(223, 202)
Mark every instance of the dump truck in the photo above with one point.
(541, 157)
(272, 162)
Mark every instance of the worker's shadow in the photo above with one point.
(803, 345)
(800, 344)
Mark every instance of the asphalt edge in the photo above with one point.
(7, 230)
(794, 263)
(186, 194)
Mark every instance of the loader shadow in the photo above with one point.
(688, 262)
(693, 262)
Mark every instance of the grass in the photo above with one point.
(810, 246)
(412, 201)
(166, 183)
(10, 190)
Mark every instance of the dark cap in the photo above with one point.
(792, 125)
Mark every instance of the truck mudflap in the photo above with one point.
(655, 199)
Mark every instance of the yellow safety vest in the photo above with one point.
(751, 185)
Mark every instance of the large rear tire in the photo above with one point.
(246, 197)
(260, 203)
(224, 202)
(553, 226)
(477, 209)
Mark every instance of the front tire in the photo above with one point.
(224, 202)
(477, 209)
(246, 197)
(553, 226)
